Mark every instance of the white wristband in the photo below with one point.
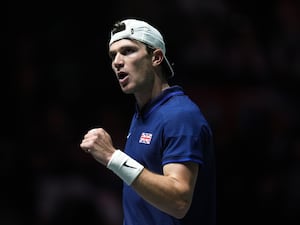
(124, 166)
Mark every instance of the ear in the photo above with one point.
(157, 57)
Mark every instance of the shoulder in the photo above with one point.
(181, 113)
(182, 106)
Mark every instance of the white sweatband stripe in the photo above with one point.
(124, 166)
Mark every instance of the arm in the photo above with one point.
(171, 192)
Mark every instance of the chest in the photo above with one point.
(145, 143)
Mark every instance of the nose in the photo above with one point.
(118, 61)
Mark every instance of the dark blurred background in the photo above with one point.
(239, 60)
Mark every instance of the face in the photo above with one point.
(132, 65)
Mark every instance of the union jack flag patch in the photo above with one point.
(145, 138)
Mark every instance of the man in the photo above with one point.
(169, 143)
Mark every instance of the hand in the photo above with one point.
(98, 143)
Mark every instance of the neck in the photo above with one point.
(146, 96)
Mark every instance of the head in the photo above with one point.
(142, 32)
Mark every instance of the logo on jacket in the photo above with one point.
(145, 138)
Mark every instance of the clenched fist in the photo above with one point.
(99, 144)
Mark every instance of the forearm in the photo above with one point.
(170, 192)
(166, 193)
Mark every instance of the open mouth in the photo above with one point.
(122, 75)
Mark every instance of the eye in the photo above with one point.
(112, 55)
(127, 51)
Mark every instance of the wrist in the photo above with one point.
(124, 166)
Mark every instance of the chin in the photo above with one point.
(127, 90)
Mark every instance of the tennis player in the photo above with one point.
(168, 160)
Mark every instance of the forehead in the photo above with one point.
(125, 43)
